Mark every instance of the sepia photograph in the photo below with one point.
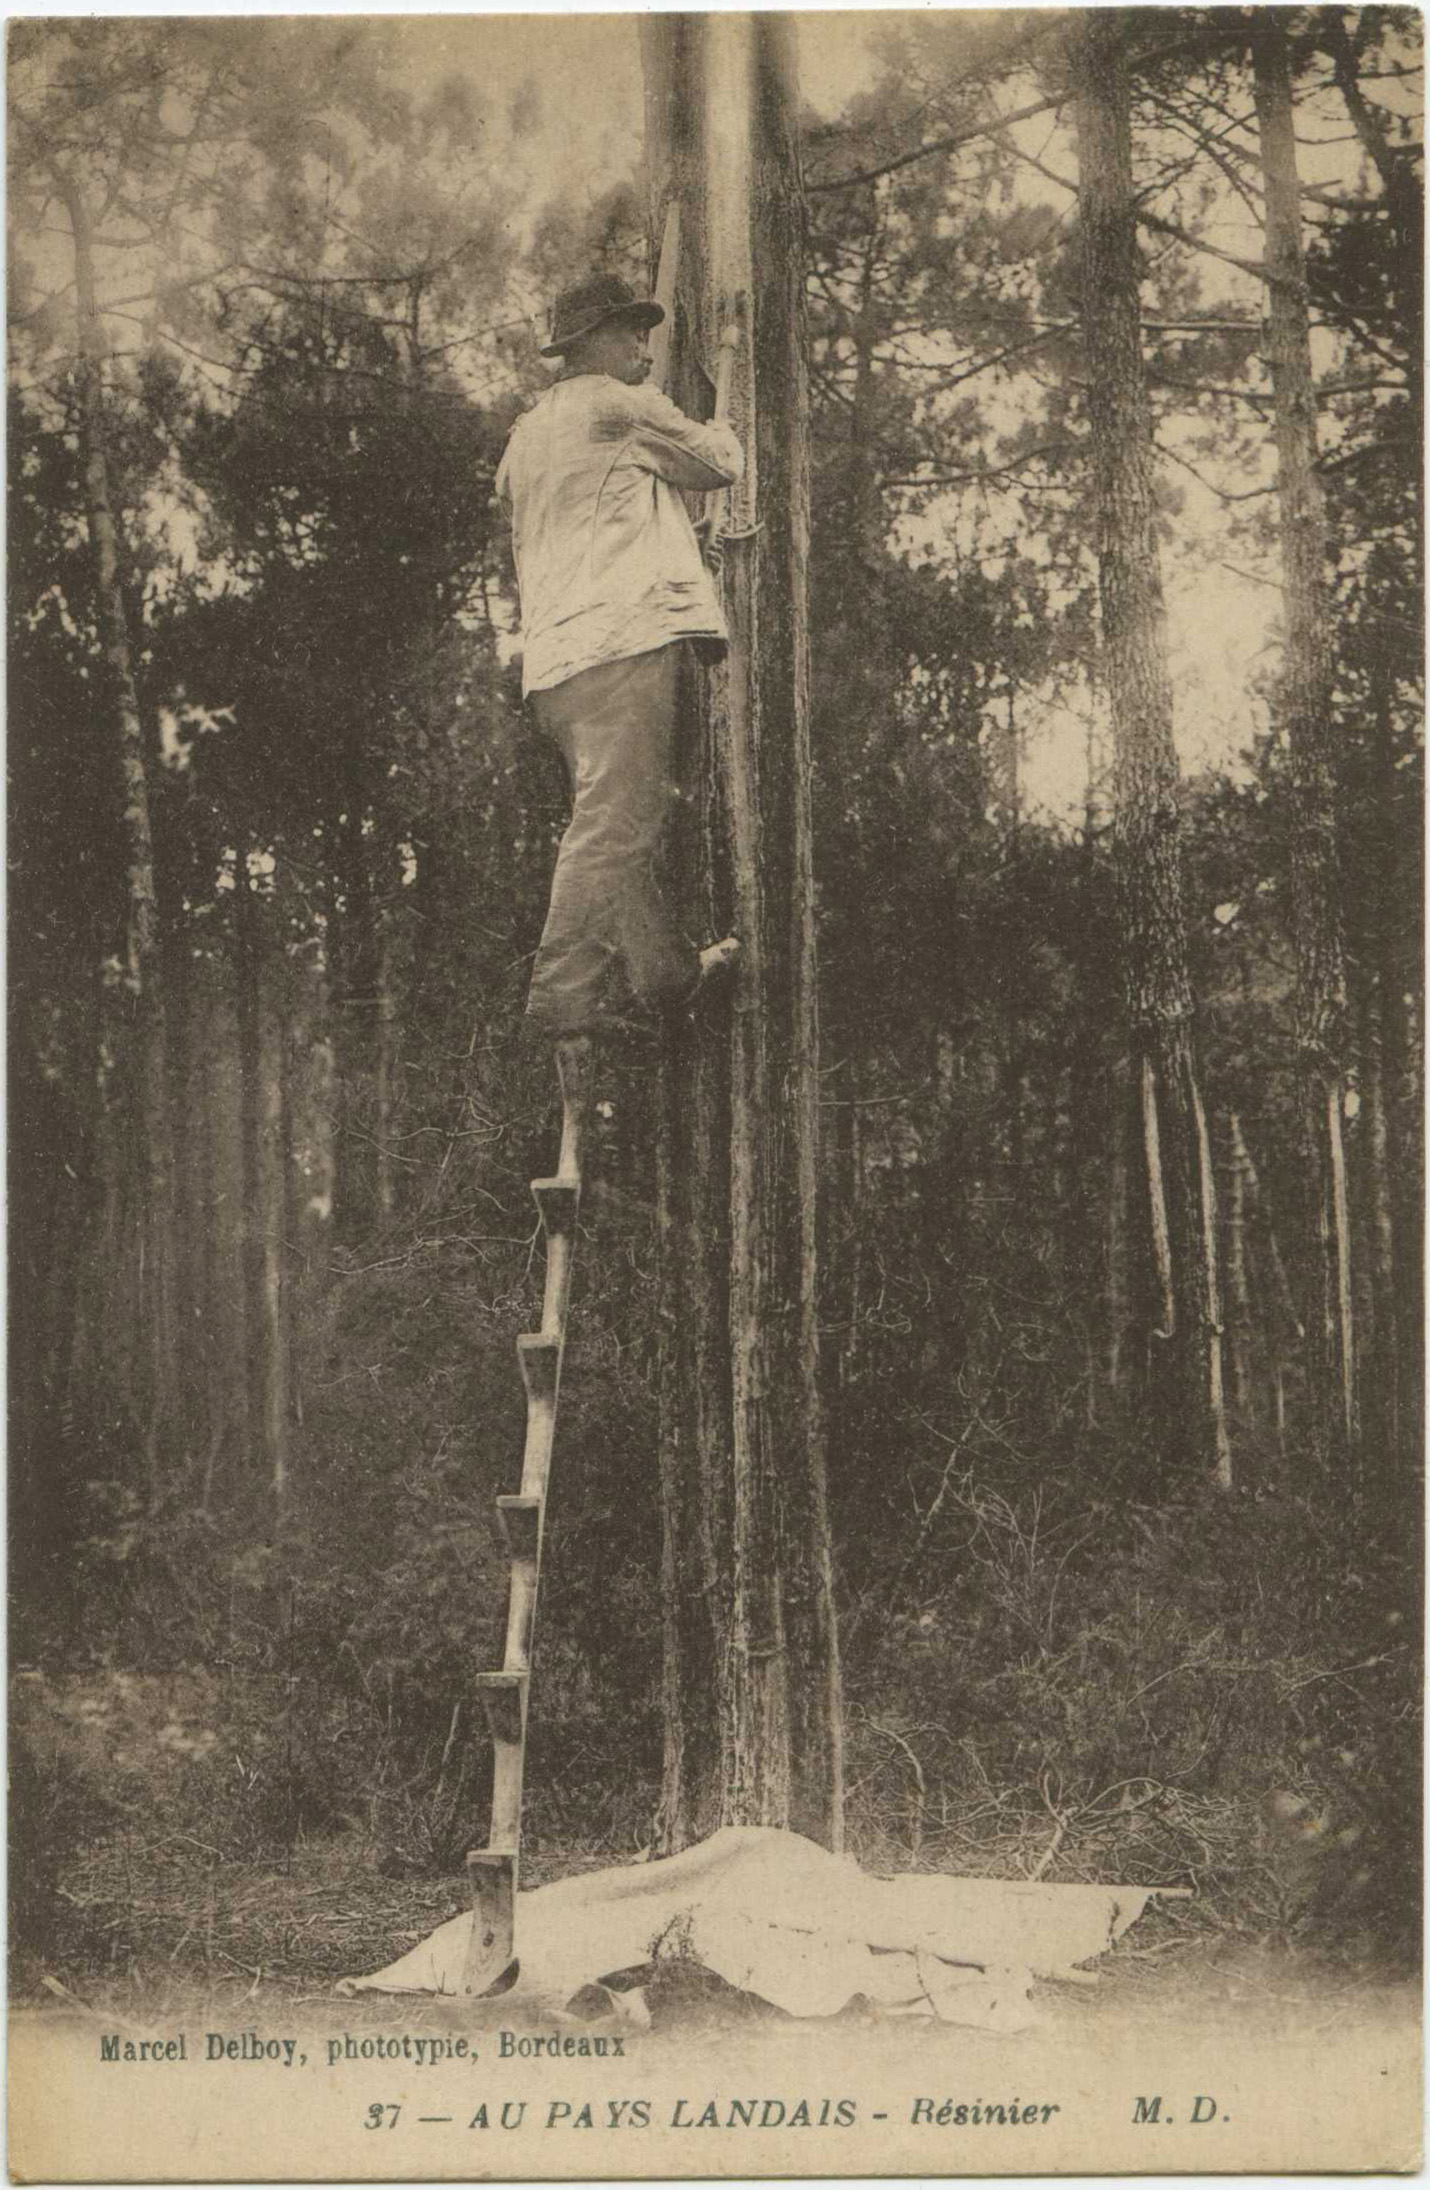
(715, 1094)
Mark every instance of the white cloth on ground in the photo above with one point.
(780, 1917)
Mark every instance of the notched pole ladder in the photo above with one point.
(505, 1694)
(493, 1869)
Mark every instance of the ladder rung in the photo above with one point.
(520, 1519)
(558, 1201)
(540, 1358)
(491, 1859)
(502, 1695)
(492, 1872)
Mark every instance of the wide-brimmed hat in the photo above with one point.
(590, 303)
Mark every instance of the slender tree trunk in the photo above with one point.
(1012, 1087)
(1082, 1270)
(353, 972)
(318, 1129)
(1088, 1141)
(1118, 1194)
(856, 569)
(1284, 1329)
(152, 1115)
(192, 1038)
(107, 1295)
(234, 1114)
(52, 1197)
(179, 982)
(384, 1068)
(272, 1167)
(752, 1669)
(1306, 702)
(1397, 913)
(851, 1350)
(293, 1050)
(262, 1044)
(949, 1181)
(250, 1215)
(1240, 1322)
(214, 1301)
(1186, 1415)
(839, 1221)
(1380, 1340)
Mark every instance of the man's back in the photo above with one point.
(607, 560)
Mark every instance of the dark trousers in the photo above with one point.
(613, 938)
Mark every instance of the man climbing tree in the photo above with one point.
(612, 589)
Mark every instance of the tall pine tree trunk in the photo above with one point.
(150, 1103)
(248, 1022)
(751, 1658)
(1116, 1255)
(261, 1044)
(211, 1216)
(384, 1073)
(1240, 1321)
(1380, 1339)
(1180, 1305)
(1306, 701)
(187, 990)
(352, 943)
(272, 1167)
(1090, 1157)
(1395, 907)
(292, 1051)
(1284, 1332)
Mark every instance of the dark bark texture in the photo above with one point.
(1178, 1312)
(752, 1674)
(1306, 701)
(150, 1112)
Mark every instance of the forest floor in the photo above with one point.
(152, 1928)
(1311, 2055)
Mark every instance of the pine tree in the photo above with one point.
(1181, 1318)
(752, 1698)
(1306, 705)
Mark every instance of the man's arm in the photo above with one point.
(680, 449)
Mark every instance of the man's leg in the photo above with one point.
(611, 933)
(660, 960)
(662, 965)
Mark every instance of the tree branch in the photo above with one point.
(1223, 494)
(952, 143)
(1062, 446)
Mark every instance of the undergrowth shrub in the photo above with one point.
(1200, 1693)
(56, 1810)
(1050, 1671)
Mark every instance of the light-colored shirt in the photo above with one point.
(607, 561)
